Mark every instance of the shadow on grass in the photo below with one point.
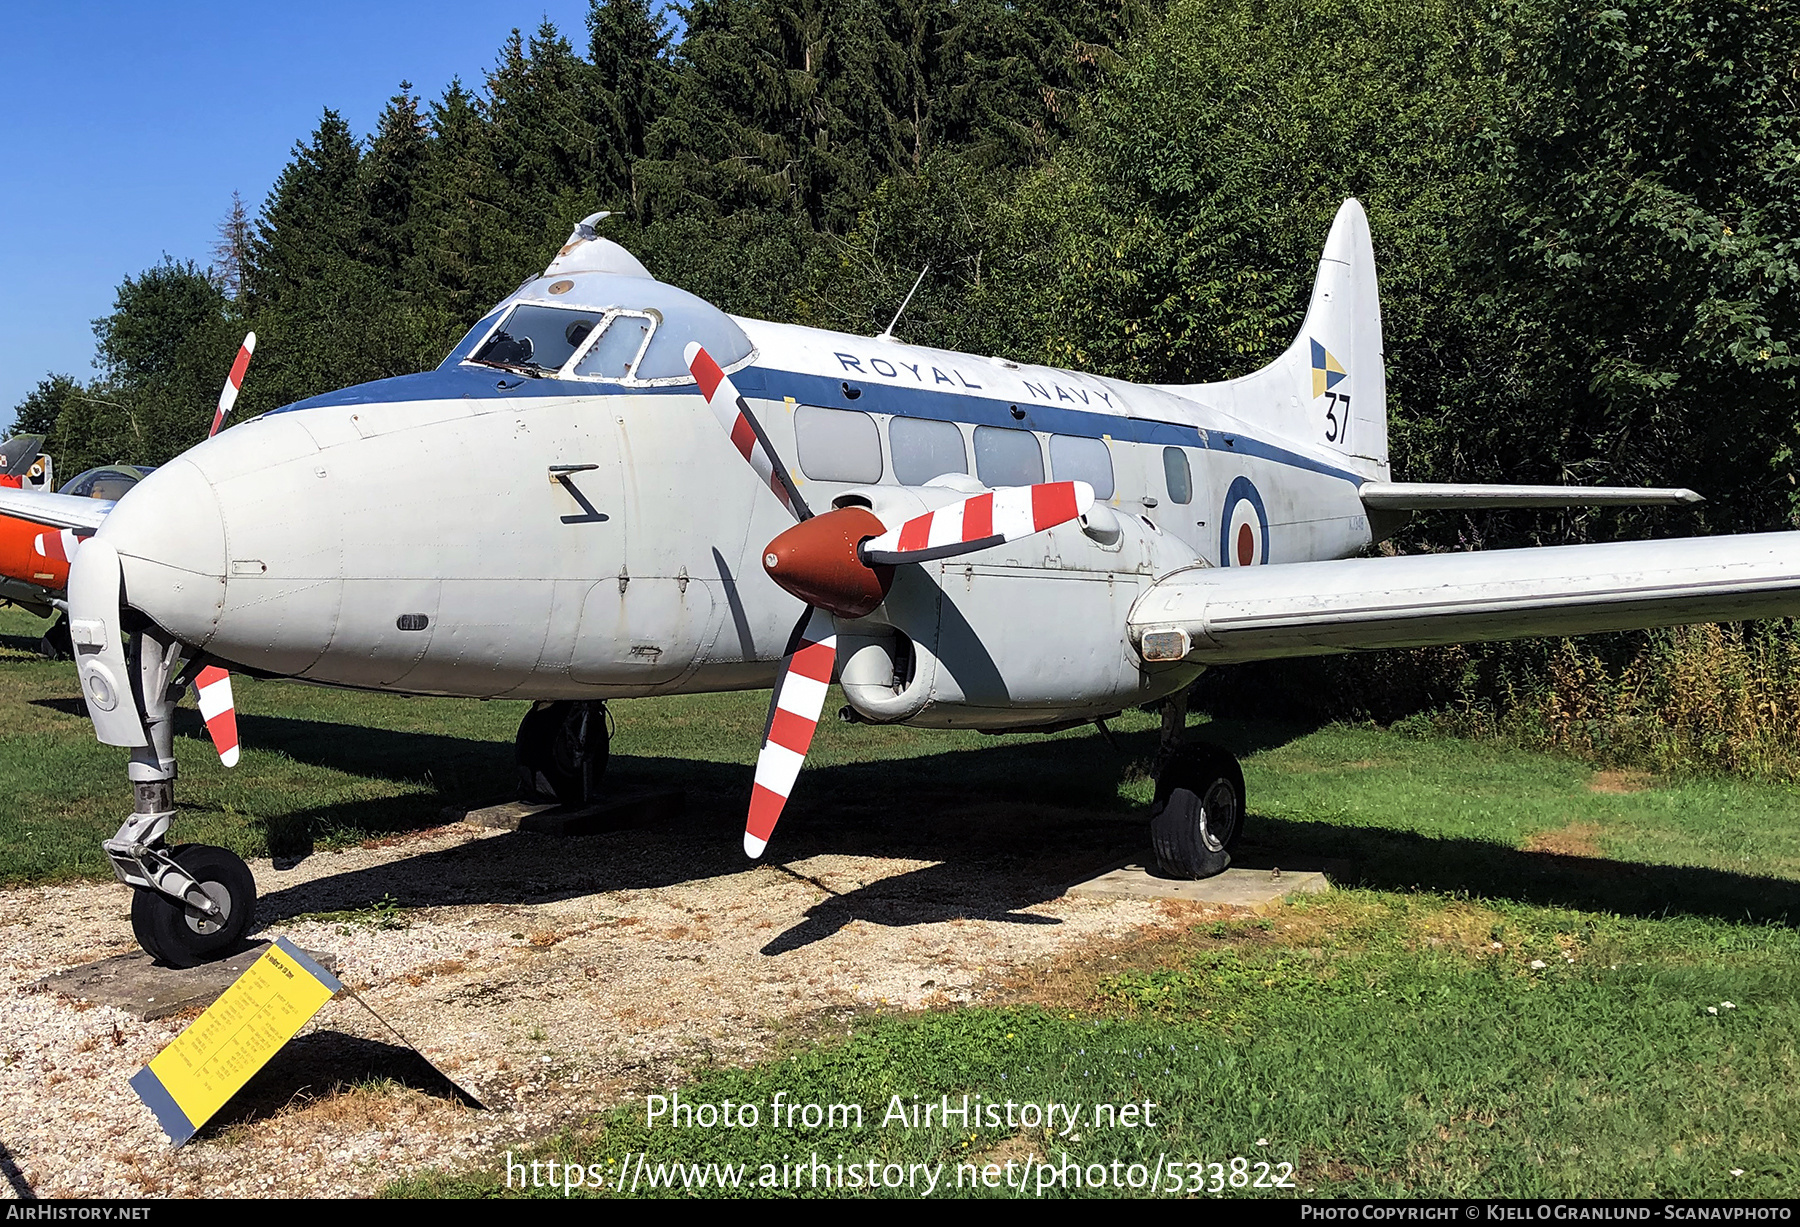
(1004, 828)
(1407, 861)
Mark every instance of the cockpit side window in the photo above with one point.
(664, 359)
(537, 340)
(614, 329)
(614, 355)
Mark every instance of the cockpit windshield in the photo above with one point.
(537, 340)
(635, 332)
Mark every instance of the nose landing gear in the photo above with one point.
(186, 934)
(561, 750)
(191, 903)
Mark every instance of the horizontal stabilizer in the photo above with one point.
(1222, 615)
(55, 510)
(1423, 496)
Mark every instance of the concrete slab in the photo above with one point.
(138, 985)
(616, 813)
(1254, 889)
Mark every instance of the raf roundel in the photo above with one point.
(1244, 527)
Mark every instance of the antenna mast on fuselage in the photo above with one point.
(887, 334)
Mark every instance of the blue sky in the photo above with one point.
(124, 129)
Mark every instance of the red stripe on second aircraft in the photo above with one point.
(1051, 504)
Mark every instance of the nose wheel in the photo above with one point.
(561, 751)
(181, 932)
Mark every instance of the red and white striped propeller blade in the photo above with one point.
(233, 383)
(733, 412)
(984, 520)
(793, 715)
(212, 686)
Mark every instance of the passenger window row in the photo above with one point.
(845, 445)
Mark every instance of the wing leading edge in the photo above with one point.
(1225, 615)
(55, 510)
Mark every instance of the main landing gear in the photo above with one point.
(561, 751)
(191, 903)
(1198, 812)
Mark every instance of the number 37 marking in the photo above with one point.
(1336, 431)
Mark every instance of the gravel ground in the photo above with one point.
(549, 977)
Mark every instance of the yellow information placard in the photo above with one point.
(195, 1075)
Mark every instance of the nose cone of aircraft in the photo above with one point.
(171, 542)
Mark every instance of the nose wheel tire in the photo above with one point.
(180, 935)
(561, 751)
(1198, 813)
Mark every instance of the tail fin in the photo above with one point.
(1330, 387)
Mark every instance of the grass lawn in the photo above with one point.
(1538, 981)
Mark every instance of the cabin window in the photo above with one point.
(538, 340)
(837, 444)
(924, 449)
(1177, 475)
(612, 355)
(1005, 457)
(1073, 458)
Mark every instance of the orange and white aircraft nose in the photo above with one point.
(33, 554)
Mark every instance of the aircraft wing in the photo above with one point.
(1421, 496)
(1222, 615)
(55, 510)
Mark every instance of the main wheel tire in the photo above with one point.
(1198, 814)
(182, 936)
(562, 746)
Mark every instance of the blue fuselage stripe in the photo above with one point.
(466, 382)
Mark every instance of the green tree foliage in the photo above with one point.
(37, 413)
(163, 352)
(1647, 243)
(1584, 217)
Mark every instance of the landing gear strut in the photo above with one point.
(561, 751)
(191, 903)
(1198, 812)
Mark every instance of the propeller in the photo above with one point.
(234, 382)
(212, 685)
(841, 563)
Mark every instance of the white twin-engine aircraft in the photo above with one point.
(611, 488)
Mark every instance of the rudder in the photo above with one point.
(1329, 388)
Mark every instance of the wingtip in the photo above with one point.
(753, 847)
(229, 757)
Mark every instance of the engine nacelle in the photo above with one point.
(1022, 635)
